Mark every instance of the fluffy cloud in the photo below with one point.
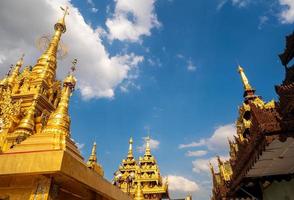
(80, 146)
(200, 143)
(191, 66)
(218, 142)
(98, 73)
(287, 15)
(154, 144)
(237, 3)
(132, 19)
(240, 3)
(202, 165)
(198, 153)
(181, 184)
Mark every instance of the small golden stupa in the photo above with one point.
(142, 179)
(38, 158)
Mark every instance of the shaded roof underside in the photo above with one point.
(276, 159)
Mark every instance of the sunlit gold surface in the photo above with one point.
(147, 181)
(38, 159)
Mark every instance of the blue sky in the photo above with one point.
(183, 83)
(177, 104)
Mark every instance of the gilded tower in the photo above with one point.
(141, 179)
(38, 158)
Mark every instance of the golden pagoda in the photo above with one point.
(142, 179)
(38, 158)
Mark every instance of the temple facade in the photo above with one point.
(38, 158)
(141, 178)
(261, 164)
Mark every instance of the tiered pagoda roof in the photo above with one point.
(142, 178)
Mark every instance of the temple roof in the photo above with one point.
(262, 148)
(145, 171)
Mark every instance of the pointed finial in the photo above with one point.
(130, 153)
(148, 150)
(60, 25)
(94, 149)
(65, 11)
(93, 157)
(59, 120)
(10, 70)
(20, 61)
(229, 141)
(70, 80)
(92, 162)
(218, 159)
(245, 81)
(74, 65)
(211, 168)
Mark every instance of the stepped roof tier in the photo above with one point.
(142, 178)
(263, 150)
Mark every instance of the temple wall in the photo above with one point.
(24, 187)
(283, 190)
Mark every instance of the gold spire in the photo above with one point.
(245, 81)
(4, 81)
(92, 162)
(211, 168)
(61, 22)
(130, 153)
(147, 151)
(93, 157)
(139, 192)
(15, 71)
(20, 61)
(59, 120)
(45, 69)
(27, 124)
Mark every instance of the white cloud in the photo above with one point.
(218, 142)
(94, 10)
(237, 3)
(179, 183)
(2, 59)
(80, 146)
(287, 15)
(90, 2)
(98, 73)
(180, 56)
(240, 3)
(197, 153)
(200, 143)
(190, 65)
(221, 4)
(262, 21)
(132, 19)
(154, 144)
(202, 165)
